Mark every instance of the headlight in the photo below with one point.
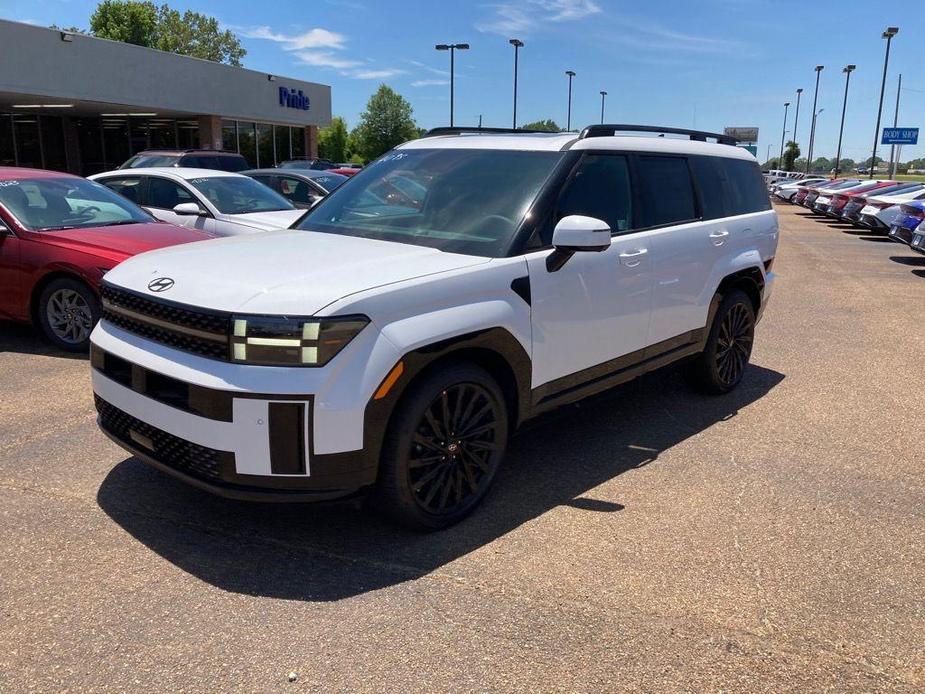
(285, 341)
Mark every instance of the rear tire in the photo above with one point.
(67, 311)
(446, 440)
(722, 364)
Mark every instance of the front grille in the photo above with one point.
(181, 455)
(192, 330)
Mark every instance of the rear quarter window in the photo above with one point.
(729, 187)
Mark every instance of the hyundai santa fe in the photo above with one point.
(392, 340)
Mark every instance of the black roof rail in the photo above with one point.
(609, 129)
(459, 130)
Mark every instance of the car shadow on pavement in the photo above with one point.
(24, 339)
(335, 551)
(914, 260)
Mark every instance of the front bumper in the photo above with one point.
(246, 432)
(900, 234)
(918, 241)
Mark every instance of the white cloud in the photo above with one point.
(429, 83)
(311, 39)
(525, 16)
(325, 59)
(428, 68)
(376, 74)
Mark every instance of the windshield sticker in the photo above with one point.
(199, 180)
(398, 156)
(6, 184)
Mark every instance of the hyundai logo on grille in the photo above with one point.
(161, 284)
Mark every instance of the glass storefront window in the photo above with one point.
(298, 142)
(52, 128)
(229, 136)
(282, 143)
(265, 156)
(26, 130)
(115, 142)
(7, 152)
(187, 134)
(89, 141)
(162, 133)
(138, 134)
(248, 142)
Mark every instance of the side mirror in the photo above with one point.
(576, 234)
(189, 208)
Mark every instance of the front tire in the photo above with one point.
(721, 365)
(67, 311)
(446, 440)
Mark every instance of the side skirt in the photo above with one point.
(611, 373)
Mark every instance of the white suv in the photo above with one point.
(408, 323)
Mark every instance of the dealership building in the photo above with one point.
(80, 104)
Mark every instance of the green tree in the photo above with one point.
(821, 164)
(197, 35)
(143, 23)
(791, 152)
(128, 21)
(332, 141)
(387, 121)
(548, 125)
(915, 163)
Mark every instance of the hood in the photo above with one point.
(284, 272)
(122, 241)
(267, 221)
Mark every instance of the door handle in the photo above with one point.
(719, 237)
(633, 258)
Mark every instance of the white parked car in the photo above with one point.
(880, 211)
(392, 343)
(786, 190)
(218, 202)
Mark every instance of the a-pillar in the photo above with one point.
(210, 132)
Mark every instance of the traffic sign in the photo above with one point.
(900, 136)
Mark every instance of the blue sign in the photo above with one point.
(291, 98)
(900, 136)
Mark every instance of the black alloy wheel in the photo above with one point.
(724, 360)
(445, 442)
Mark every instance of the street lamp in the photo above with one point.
(517, 44)
(888, 35)
(568, 119)
(603, 94)
(848, 69)
(782, 133)
(452, 48)
(796, 117)
(812, 130)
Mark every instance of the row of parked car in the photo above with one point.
(896, 208)
(60, 234)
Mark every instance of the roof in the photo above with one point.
(305, 173)
(181, 152)
(175, 171)
(553, 142)
(11, 172)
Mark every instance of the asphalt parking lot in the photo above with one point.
(650, 539)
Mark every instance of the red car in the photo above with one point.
(344, 171)
(59, 234)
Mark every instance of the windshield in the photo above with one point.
(329, 181)
(240, 195)
(141, 161)
(458, 200)
(45, 204)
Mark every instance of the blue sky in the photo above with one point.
(702, 63)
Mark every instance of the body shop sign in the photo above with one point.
(292, 98)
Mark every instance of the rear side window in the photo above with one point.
(165, 195)
(729, 187)
(129, 187)
(665, 190)
(600, 189)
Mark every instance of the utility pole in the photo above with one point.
(780, 164)
(888, 35)
(894, 150)
(848, 69)
(796, 118)
(517, 44)
(812, 130)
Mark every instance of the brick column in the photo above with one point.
(210, 132)
(311, 141)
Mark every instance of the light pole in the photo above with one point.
(894, 150)
(888, 35)
(796, 117)
(452, 48)
(603, 94)
(812, 130)
(782, 133)
(848, 69)
(568, 118)
(767, 159)
(517, 44)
